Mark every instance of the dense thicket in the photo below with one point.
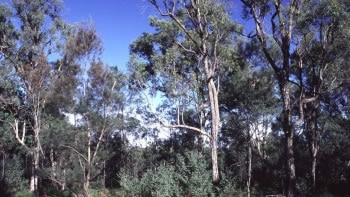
(211, 104)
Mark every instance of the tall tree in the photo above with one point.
(321, 54)
(289, 51)
(30, 61)
(185, 59)
(101, 102)
(277, 48)
(247, 104)
(27, 51)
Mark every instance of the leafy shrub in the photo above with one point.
(24, 194)
(193, 175)
(188, 176)
(228, 187)
(160, 183)
(14, 174)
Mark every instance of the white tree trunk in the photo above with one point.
(33, 185)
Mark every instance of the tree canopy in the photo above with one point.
(252, 104)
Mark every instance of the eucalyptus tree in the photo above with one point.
(248, 103)
(100, 105)
(184, 60)
(29, 45)
(277, 48)
(287, 49)
(30, 50)
(322, 55)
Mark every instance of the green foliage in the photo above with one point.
(14, 173)
(159, 183)
(228, 187)
(43, 81)
(193, 174)
(65, 193)
(24, 193)
(188, 176)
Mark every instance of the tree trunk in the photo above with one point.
(215, 121)
(200, 144)
(289, 137)
(63, 179)
(290, 165)
(33, 185)
(312, 135)
(36, 154)
(249, 169)
(87, 183)
(87, 168)
(214, 160)
(313, 172)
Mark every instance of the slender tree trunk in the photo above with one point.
(249, 169)
(289, 137)
(87, 182)
(200, 144)
(35, 166)
(36, 154)
(87, 168)
(313, 172)
(53, 164)
(312, 135)
(63, 179)
(291, 165)
(314, 151)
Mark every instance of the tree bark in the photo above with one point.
(289, 137)
(87, 168)
(36, 152)
(33, 185)
(215, 126)
(249, 168)
(87, 183)
(312, 135)
(290, 165)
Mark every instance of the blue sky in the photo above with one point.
(118, 23)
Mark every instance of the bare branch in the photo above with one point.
(195, 129)
(308, 100)
(98, 143)
(76, 151)
(59, 182)
(262, 36)
(274, 31)
(301, 108)
(185, 49)
(16, 131)
(170, 13)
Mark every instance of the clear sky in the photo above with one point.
(117, 22)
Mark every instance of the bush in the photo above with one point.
(193, 175)
(159, 183)
(188, 176)
(228, 187)
(56, 193)
(24, 194)
(14, 174)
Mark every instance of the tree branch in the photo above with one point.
(171, 14)
(195, 129)
(16, 131)
(76, 151)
